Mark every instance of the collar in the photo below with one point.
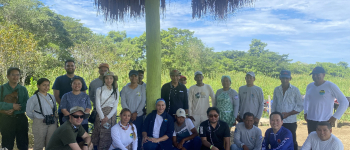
(104, 87)
(278, 132)
(290, 86)
(171, 85)
(7, 85)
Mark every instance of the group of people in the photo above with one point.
(183, 118)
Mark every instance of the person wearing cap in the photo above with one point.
(251, 99)
(14, 122)
(183, 80)
(185, 134)
(62, 85)
(133, 97)
(158, 129)
(198, 99)
(319, 100)
(287, 100)
(175, 94)
(64, 138)
(98, 82)
(227, 101)
(107, 99)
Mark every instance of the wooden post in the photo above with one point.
(153, 53)
(269, 99)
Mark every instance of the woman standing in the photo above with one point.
(227, 102)
(124, 134)
(106, 106)
(41, 108)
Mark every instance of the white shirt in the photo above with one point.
(198, 99)
(122, 138)
(319, 101)
(315, 143)
(111, 102)
(291, 100)
(157, 125)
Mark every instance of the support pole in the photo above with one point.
(153, 53)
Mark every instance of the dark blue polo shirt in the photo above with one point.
(175, 98)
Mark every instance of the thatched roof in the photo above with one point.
(116, 10)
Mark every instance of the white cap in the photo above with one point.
(251, 73)
(197, 73)
(181, 113)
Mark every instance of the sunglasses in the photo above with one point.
(77, 116)
(215, 116)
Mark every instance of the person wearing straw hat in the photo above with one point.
(98, 82)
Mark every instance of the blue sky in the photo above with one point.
(309, 31)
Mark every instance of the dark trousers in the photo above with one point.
(292, 127)
(151, 146)
(15, 126)
(311, 125)
(194, 144)
(60, 116)
(138, 123)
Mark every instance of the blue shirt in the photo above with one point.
(282, 140)
(70, 100)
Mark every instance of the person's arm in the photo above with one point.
(342, 100)
(307, 144)
(240, 103)
(65, 112)
(115, 106)
(174, 141)
(274, 98)
(135, 142)
(261, 104)
(227, 136)
(306, 102)
(63, 105)
(298, 106)
(190, 96)
(237, 137)
(92, 94)
(216, 97)
(265, 144)
(227, 143)
(84, 87)
(30, 108)
(258, 141)
(74, 146)
(235, 104)
(88, 106)
(117, 140)
(87, 139)
(143, 101)
(56, 94)
(193, 130)
(212, 95)
(123, 98)
(98, 104)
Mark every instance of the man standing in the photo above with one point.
(62, 84)
(247, 136)
(14, 122)
(198, 99)
(141, 75)
(65, 136)
(322, 139)
(104, 67)
(278, 137)
(319, 101)
(287, 100)
(183, 80)
(251, 99)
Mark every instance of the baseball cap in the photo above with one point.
(175, 72)
(183, 77)
(133, 72)
(103, 65)
(76, 109)
(181, 113)
(197, 73)
(251, 73)
(285, 74)
(317, 70)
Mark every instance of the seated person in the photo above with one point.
(322, 139)
(247, 136)
(65, 136)
(185, 135)
(215, 134)
(157, 129)
(124, 134)
(278, 137)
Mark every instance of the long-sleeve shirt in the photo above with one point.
(92, 89)
(47, 104)
(22, 98)
(134, 99)
(122, 138)
(234, 99)
(252, 138)
(291, 100)
(319, 101)
(315, 143)
(282, 140)
(112, 101)
(251, 99)
(198, 99)
(175, 97)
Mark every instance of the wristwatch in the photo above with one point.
(86, 144)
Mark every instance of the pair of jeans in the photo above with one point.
(151, 146)
(15, 126)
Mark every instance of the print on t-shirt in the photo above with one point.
(182, 134)
(201, 95)
(322, 92)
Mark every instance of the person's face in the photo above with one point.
(285, 81)
(276, 122)
(77, 121)
(319, 77)
(76, 85)
(249, 121)
(69, 67)
(125, 116)
(109, 80)
(175, 78)
(102, 70)
(199, 78)
(14, 76)
(140, 77)
(183, 81)
(180, 120)
(213, 116)
(249, 79)
(160, 107)
(323, 132)
(44, 87)
(134, 78)
(226, 83)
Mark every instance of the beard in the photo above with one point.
(70, 72)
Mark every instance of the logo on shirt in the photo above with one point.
(322, 92)
(138, 94)
(200, 95)
(165, 120)
(131, 135)
(252, 138)
(252, 95)
(236, 97)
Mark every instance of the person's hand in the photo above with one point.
(214, 148)
(245, 147)
(85, 148)
(332, 120)
(134, 116)
(104, 120)
(285, 115)
(17, 106)
(235, 123)
(191, 118)
(144, 139)
(154, 140)
(180, 145)
(256, 120)
(305, 117)
(238, 118)
(9, 112)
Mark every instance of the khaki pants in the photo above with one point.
(42, 133)
(199, 119)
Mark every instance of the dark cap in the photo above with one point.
(285, 74)
(133, 72)
(318, 70)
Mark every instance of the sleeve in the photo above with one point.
(23, 100)
(307, 144)
(185, 101)
(237, 137)
(91, 94)
(174, 134)
(30, 108)
(212, 95)
(81, 131)
(6, 106)
(300, 105)
(135, 142)
(189, 124)
(170, 127)
(202, 130)
(274, 98)
(261, 103)
(287, 141)
(163, 92)
(68, 137)
(56, 84)
(115, 106)
(98, 104)
(235, 104)
(84, 87)
(240, 100)
(216, 97)
(258, 141)
(143, 100)
(306, 100)
(88, 102)
(123, 98)
(227, 131)
(343, 101)
(64, 102)
(265, 144)
(190, 99)
(117, 140)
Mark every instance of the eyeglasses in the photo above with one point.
(215, 116)
(77, 116)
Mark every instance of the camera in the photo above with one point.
(49, 119)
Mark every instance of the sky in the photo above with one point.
(309, 31)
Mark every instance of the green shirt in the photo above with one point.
(63, 136)
(22, 97)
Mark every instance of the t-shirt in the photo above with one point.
(252, 138)
(214, 136)
(122, 138)
(251, 99)
(319, 101)
(315, 143)
(63, 136)
(183, 130)
(70, 100)
(175, 97)
(157, 125)
(198, 99)
(134, 99)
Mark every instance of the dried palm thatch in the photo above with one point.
(117, 10)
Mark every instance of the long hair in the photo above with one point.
(113, 87)
(132, 126)
(39, 82)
